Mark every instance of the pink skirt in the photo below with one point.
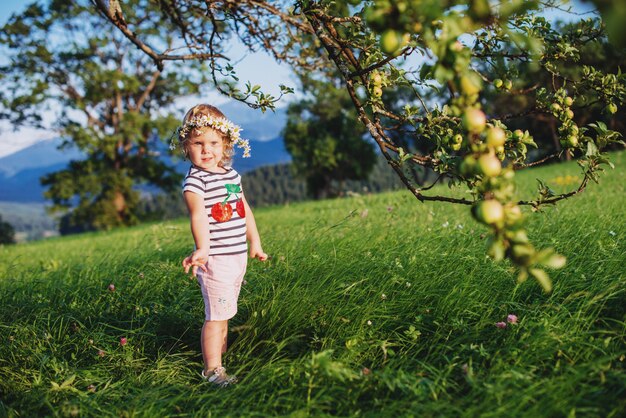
(221, 284)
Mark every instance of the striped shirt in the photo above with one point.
(226, 238)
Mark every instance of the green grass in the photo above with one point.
(387, 314)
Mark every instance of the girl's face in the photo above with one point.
(207, 149)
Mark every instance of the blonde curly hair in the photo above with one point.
(185, 134)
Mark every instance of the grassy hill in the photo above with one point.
(370, 306)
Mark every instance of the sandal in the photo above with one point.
(219, 377)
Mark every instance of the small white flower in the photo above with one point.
(612, 233)
(459, 226)
(369, 322)
(445, 224)
(383, 296)
(223, 125)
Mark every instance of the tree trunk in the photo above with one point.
(119, 202)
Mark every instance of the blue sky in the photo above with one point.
(258, 69)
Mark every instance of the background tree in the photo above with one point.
(111, 104)
(325, 139)
(7, 233)
(381, 45)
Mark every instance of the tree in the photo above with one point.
(325, 140)
(7, 233)
(439, 50)
(111, 103)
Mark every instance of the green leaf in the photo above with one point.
(233, 188)
(68, 381)
(592, 149)
(443, 74)
(542, 278)
(555, 261)
(522, 276)
(496, 250)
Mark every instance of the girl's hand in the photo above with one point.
(257, 252)
(197, 259)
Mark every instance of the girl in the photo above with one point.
(221, 223)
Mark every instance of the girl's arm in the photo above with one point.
(252, 234)
(200, 230)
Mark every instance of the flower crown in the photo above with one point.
(223, 125)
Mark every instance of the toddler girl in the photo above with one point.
(221, 224)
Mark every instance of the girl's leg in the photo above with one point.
(225, 338)
(213, 343)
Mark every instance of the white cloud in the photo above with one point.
(13, 141)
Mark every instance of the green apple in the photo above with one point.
(489, 212)
(391, 41)
(474, 120)
(489, 165)
(508, 85)
(377, 92)
(496, 137)
(497, 83)
(456, 141)
(568, 101)
(555, 107)
(470, 85)
(572, 141)
(376, 78)
(611, 108)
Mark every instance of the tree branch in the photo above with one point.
(156, 57)
(148, 90)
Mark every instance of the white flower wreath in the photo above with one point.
(223, 125)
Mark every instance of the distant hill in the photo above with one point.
(20, 172)
(263, 153)
(24, 186)
(37, 156)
